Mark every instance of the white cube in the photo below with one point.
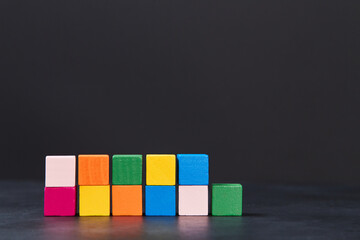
(193, 200)
(60, 171)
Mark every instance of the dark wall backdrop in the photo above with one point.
(269, 89)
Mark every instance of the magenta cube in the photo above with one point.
(59, 201)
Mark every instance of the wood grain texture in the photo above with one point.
(226, 199)
(160, 169)
(193, 169)
(59, 201)
(93, 170)
(94, 200)
(127, 200)
(127, 170)
(160, 201)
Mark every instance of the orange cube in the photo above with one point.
(93, 170)
(127, 200)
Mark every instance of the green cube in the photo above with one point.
(127, 170)
(226, 199)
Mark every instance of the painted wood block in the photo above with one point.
(59, 201)
(93, 170)
(94, 200)
(60, 171)
(193, 169)
(160, 169)
(127, 170)
(127, 200)
(193, 200)
(160, 201)
(226, 199)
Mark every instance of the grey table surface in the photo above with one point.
(270, 212)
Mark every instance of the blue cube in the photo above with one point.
(160, 201)
(193, 169)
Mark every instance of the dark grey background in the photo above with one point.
(269, 89)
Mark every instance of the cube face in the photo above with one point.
(193, 169)
(60, 171)
(127, 170)
(94, 200)
(193, 200)
(59, 201)
(127, 200)
(160, 201)
(93, 170)
(160, 169)
(227, 199)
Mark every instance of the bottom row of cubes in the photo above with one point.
(159, 200)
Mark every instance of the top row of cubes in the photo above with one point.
(127, 170)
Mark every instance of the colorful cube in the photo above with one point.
(160, 169)
(160, 201)
(60, 171)
(127, 200)
(160, 194)
(59, 201)
(127, 170)
(226, 199)
(94, 200)
(193, 169)
(93, 170)
(193, 200)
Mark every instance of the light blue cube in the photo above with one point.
(193, 169)
(160, 201)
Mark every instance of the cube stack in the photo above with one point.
(160, 185)
(193, 184)
(127, 191)
(94, 187)
(127, 185)
(60, 189)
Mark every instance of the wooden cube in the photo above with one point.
(127, 200)
(226, 199)
(94, 200)
(93, 170)
(160, 169)
(59, 201)
(160, 200)
(193, 200)
(193, 169)
(127, 170)
(60, 171)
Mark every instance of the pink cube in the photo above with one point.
(59, 201)
(60, 171)
(193, 200)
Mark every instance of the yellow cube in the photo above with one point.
(94, 200)
(160, 169)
